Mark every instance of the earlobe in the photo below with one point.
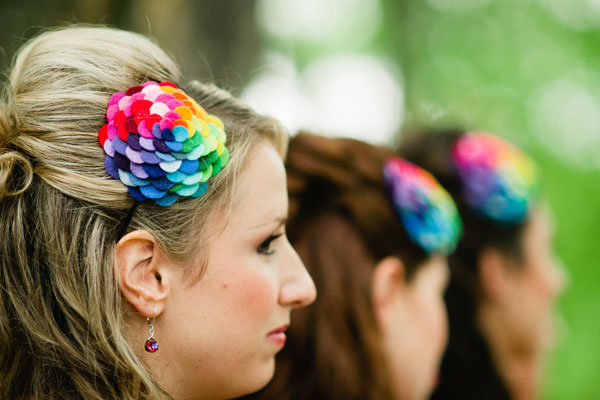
(142, 272)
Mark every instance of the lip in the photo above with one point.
(277, 336)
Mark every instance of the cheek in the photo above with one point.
(537, 292)
(438, 326)
(531, 310)
(431, 330)
(252, 292)
(432, 335)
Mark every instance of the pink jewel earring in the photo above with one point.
(151, 345)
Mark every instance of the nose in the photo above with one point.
(298, 288)
(559, 277)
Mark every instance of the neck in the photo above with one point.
(518, 367)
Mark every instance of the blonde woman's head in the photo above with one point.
(74, 302)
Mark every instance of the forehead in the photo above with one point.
(541, 223)
(261, 191)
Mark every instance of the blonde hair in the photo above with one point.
(62, 324)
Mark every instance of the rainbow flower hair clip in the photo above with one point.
(499, 181)
(427, 211)
(161, 144)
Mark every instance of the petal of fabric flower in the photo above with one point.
(138, 171)
(111, 167)
(201, 190)
(170, 166)
(160, 109)
(150, 157)
(147, 144)
(154, 170)
(187, 190)
(151, 192)
(176, 177)
(109, 149)
(167, 200)
(131, 180)
(165, 156)
(162, 183)
(134, 155)
(174, 146)
(180, 133)
(161, 146)
(189, 166)
(136, 193)
(133, 141)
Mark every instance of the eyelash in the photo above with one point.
(265, 247)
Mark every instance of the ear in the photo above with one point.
(387, 283)
(494, 274)
(143, 272)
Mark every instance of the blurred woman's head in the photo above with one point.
(504, 277)
(374, 244)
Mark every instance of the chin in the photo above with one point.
(256, 379)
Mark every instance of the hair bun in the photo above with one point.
(16, 173)
(16, 170)
(4, 126)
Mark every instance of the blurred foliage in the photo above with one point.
(481, 64)
(211, 40)
(483, 69)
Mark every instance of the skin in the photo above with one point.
(414, 326)
(214, 333)
(517, 315)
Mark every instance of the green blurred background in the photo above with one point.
(525, 69)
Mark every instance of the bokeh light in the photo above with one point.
(457, 5)
(275, 91)
(577, 14)
(357, 96)
(565, 118)
(323, 21)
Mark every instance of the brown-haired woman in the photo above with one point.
(378, 327)
(504, 278)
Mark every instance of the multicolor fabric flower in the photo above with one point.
(499, 181)
(427, 211)
(161, 144)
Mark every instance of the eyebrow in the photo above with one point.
(279, 220)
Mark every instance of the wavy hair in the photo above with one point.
(63, 326)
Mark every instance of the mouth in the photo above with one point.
(277, 336)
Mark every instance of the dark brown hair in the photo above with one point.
(341, 223)
(467, 370)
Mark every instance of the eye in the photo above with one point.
(265, 247)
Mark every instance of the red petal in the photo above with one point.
(130, 125)
(122, 132)
(141, 110)
(151, 120)
(102, 135)
(133, 90)
(120, 123)
(167, 83)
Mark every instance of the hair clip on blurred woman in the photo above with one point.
(499, 182)
(426, 209)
